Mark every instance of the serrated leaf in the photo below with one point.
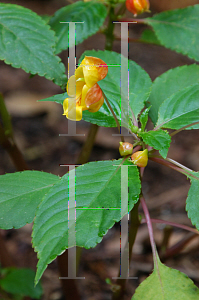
(21, 282)
(21, 193)
(139, 89)
(178, 30)
(192, 202)
(181, 109)
(27, 42)
(144, 118)
(92, 14)
(166, 284)
(159, 140)
(149, 36)
(59, 98)
(170, 83)
(98, 207)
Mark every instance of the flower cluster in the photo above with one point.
(84, 92)
(137, 6)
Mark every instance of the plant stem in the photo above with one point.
(150, 229)
(134, 225)
(172, 224)
(69, 286)
(110, 29)
(121, 10)
(7, 139)
(15, 154)
(183, 170)
(177, 131)
(165, 163)
(114, 115)
(88, 145)
(179, 165)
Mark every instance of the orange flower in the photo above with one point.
(84, 92)
(137, 6)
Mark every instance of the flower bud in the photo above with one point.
(125, 149)
(134, 129)
(140, 158)
(137, 7)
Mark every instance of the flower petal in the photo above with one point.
(71, 110)
(83, 97)
(74, 88)
(93, 95)
(96, 106)
(71, 86)
(79, 72)
(94, 69)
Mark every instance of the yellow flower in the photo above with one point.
(84, 92)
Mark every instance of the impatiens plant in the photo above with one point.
(79, 208)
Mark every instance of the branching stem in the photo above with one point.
(178, 164)
(182, 169)
(150, 229)
(187, 126)
(172, 224)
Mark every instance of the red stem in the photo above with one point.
(167, 164)
(150, 229)
(172, 224)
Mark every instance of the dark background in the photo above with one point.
(37, 127)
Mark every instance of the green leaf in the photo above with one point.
(178, 30)
(144, 118)
(181, 109)
(21, 193)
(159, 140)
(170, 83)
(98, 207)
(46, 18)
(27, 42)
(166, 284)
(192, 202)
(92, 14)
(21, 282)
(149, 36)
(139, 89)
(59, 98)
